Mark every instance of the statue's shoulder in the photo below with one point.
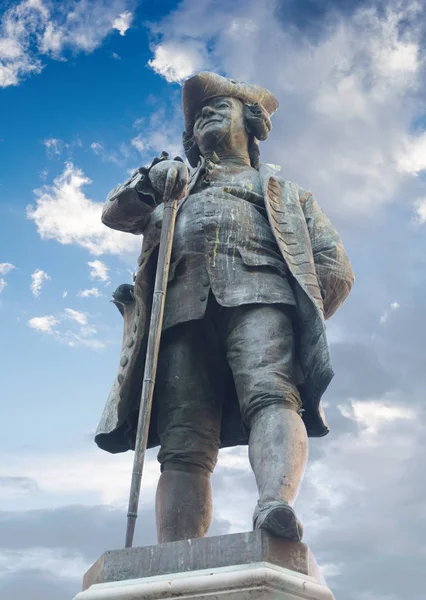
(289, 187)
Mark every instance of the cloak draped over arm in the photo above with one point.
(334, 271)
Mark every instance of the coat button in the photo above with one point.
(124, 360)
(120, 378)
(205, 280)
(203, 296)
(135, 327)
(130, 342)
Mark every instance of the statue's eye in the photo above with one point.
(223, 105)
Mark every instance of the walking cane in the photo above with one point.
(159, 297)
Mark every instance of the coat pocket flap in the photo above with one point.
(251, 258)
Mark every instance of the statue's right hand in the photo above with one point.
(169, 179)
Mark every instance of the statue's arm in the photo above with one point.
(129, 205)
(334, 271)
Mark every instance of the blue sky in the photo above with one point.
(89, 90)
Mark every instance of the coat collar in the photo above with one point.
(265, 169)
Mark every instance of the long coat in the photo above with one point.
(321, 278)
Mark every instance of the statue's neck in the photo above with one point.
(229, 157)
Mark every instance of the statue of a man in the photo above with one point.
(256, 268)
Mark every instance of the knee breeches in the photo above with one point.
(254, 344)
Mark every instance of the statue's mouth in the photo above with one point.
(204, 123)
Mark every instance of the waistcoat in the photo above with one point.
(223, 242)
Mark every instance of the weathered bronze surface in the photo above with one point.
(256, 268)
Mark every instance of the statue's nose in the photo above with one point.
(207, 111)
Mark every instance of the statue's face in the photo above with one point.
(220, 124)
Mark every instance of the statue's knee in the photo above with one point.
(186, 467)
(273, 411)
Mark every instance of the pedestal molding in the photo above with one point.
(238, 582)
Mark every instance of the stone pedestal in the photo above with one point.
(242, 566)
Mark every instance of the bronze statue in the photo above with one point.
(256, 268)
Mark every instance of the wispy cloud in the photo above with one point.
(76, 315)
(98, 271)
(32, 30)
(83, 334)
(363, 72)
(123, 22)
(176, 60)
(53, 146)
(96, 147)
(162, 131)
(420, 210)
(373, 415)
(45, 324)
(64, 213)
(38, 279)
(385, 316)
(6, 268)
(62, 564)
(89, 293)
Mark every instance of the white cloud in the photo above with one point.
(50, 560)
(176, 61)
(82, 338)
(53, 146)
(138, 143)
(82, 334)
(123, 22)
(44, 324)
(372, 415)
(384, 317)
(64, 294)
(64, 213)
(89, 293)
(98, 271)
(38, 279)
(352, 472)
(31, 30)
(356, 93)
(412, 158)
(6, 268)
(89, 477)
(96, 147)
(420, 210)
(161, 132)
(77, 316)
(16, 59)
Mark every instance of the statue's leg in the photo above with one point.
(183, 505)
(278, 451)
(188, 401)
(261, 355)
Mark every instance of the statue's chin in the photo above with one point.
(214, 134)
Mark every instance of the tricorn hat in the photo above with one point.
(199, 88)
